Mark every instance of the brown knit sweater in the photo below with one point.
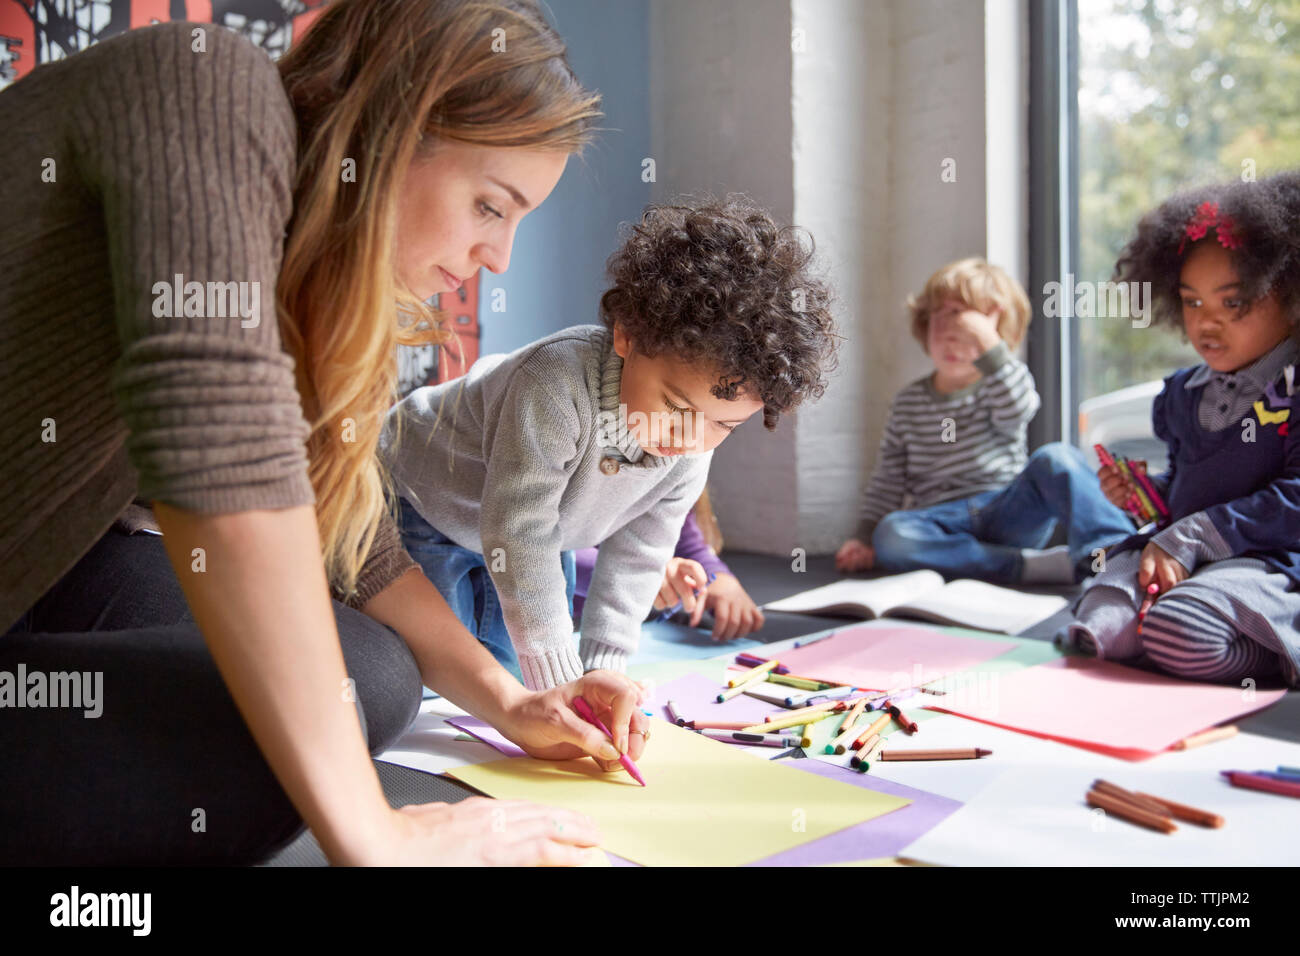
(125, 165)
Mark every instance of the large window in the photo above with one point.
(1150, 96)
(1170, 94)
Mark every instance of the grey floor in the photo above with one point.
(766, 579)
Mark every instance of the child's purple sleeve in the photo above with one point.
(585, 562)
(691, 545)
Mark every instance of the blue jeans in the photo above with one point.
(982, 536)
(462, 577)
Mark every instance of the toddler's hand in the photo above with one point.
(686, 582)
(854, 555)
(1113, 485)
(981, 329)
(734, 613)
(1160, 567)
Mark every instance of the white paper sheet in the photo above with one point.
(430, 743)
(1035, 814)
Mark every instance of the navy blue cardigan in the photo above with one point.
(1250, 490)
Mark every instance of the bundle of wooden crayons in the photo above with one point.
(1144, 503)
(1144, 809)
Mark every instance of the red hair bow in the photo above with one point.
(1206, 218)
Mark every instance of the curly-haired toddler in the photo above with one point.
(602, 435)
(1212, 594)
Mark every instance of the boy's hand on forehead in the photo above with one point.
(981, 328)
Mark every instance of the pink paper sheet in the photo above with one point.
(883, 658)
(1104, 706)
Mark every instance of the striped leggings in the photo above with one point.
(1188, 638)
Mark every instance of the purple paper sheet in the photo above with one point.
(883, 836)
(486, 733)
(696, 698)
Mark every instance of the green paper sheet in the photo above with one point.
(705, 803)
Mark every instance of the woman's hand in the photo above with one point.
(1159, 567)
(854, 555)
(686, 583)
(734, 612)
(482, 832)
(545, 724)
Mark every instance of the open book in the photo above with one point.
(923, 595)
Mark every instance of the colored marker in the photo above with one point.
(1206, 737)
(1152, 590)
(673, 715)
(585, 712)
(813, 641)
(753, 739)
(832, 705)
(1149, 487)
(787, 722)
(766, 694)
(803, 683)
(752, 672)
(965, 753)
(873, 729)
(1241, 778)
(905, 722)
(848, 730)
(868, 752)
(730, 692)
(813, 696)
(753, 660)
(1132, 812)
(1274, 775)
(718, 724)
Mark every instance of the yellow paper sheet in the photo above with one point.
(704, 804)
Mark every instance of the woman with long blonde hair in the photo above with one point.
(250, 657)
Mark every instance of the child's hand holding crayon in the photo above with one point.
(686, 583)
(1118, 489)
(1160, 568)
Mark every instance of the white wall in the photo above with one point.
(721, 121)
(848, 139)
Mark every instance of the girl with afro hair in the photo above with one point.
(1211, 593)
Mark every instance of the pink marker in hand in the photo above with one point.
(1152, 590)
(585, 712)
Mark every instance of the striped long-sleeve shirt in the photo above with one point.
(939, 447)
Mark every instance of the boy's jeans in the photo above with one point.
(461, 576)
(982, 536)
